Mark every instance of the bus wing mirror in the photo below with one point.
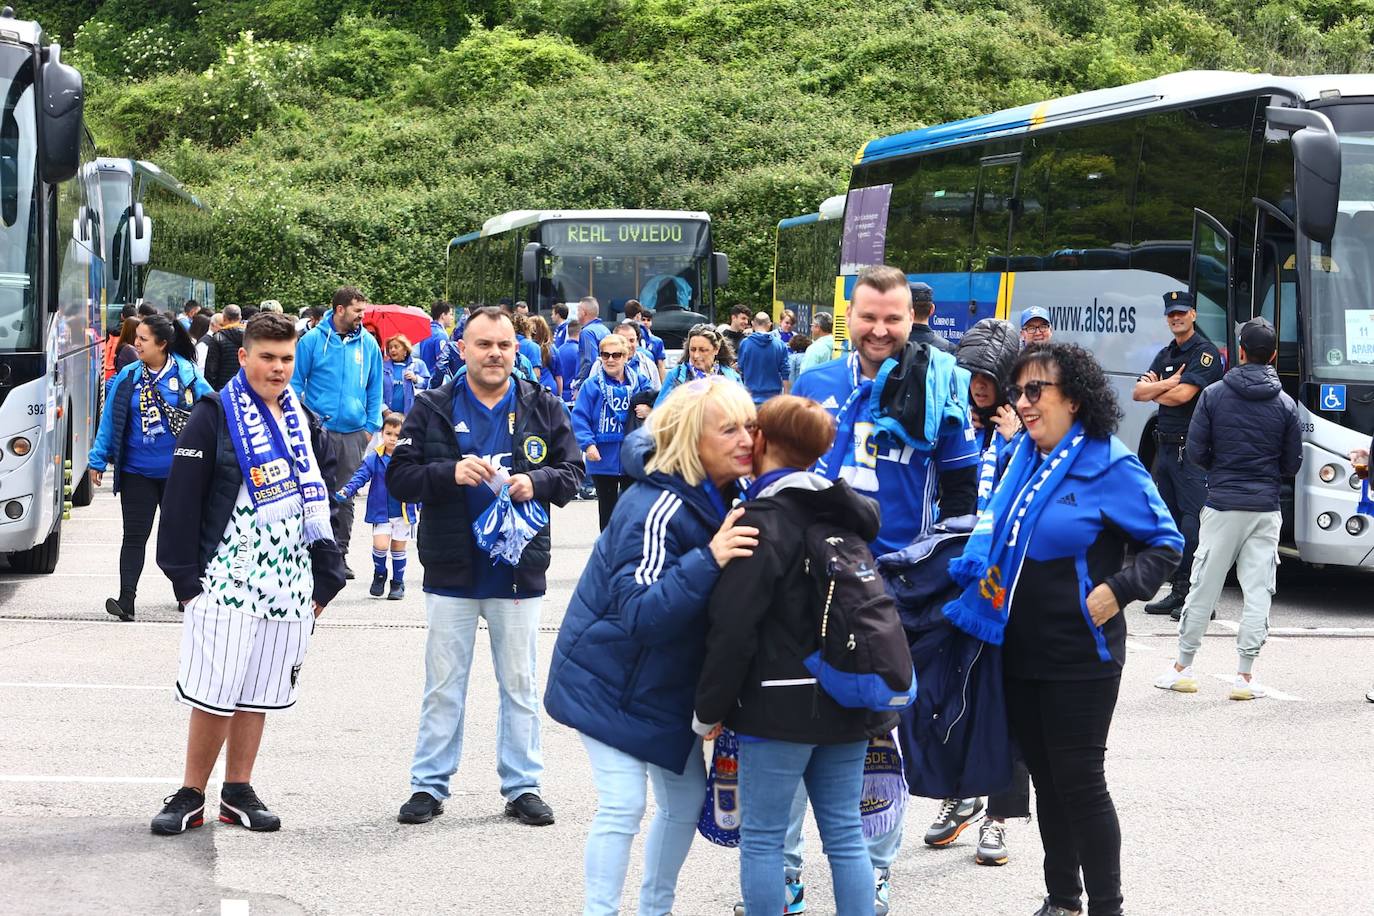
(1316, 168)
(60, 121)
(140, 237)
(529, 262)
(720, 269)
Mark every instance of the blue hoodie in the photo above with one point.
(763, 364)
(340, 378)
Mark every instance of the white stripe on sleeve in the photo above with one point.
(655, 532)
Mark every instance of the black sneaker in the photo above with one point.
(1177, 614)
(421, 809)
(1168, 604)
(348, 572)
(180, 812)
(398, 591)
(530, 809)
(241, 805)
(955, 814)
(123, 609)
(1049, 909)
(378, 585)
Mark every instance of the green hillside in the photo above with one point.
(347, 140)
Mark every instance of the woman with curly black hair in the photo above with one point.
(1045, 576)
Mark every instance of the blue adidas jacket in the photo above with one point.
(631, 646)
(381, 508)
(340, 378)
(108, 448)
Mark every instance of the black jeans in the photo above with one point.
(1061, 727)
(608, 490)
(1183, 487)
(138, 499)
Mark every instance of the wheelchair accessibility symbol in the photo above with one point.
(1333, 397)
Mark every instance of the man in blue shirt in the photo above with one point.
(763, 361)
(558, 317)
(644, 317)
(566, 357)
(588, 352)
(440, 322)
(459, 445)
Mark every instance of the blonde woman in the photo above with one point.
(631, 645)
(402, 375)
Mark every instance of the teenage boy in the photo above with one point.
(250, 555)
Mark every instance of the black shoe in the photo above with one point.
(241, 805)
(180, 812)
(1168, 604)
(421, 809)
(348, 572)
(530, 809)
(378, 584)
(123, 609)
(398, 591)
(1177, 614)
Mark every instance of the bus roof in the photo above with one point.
(831, 208)
(1174, 90)
(517, 218)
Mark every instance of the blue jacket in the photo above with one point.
(415, 365)
(114, 421)
(428, 349)
(381, 508)
(763, 364)
(340, 378)
(679, 374)
(566, 360)
(589, 346)
(631, 646)
(596, 422)
(1245, 434)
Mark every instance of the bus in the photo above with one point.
(142, 203)
(51, 291)
(1253, 192)
(806, 260)
(663, 258)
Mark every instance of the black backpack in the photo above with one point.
(863, 661)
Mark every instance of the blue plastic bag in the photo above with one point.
(506, 527)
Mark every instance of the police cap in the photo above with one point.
(1178, 301)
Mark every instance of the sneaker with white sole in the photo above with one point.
(992, 843)
(1178, 681)
(955, 814)
(882, 890)
(794, 898)
(1241, 689)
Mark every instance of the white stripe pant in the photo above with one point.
(231, 660)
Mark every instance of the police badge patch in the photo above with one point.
(1207, 359)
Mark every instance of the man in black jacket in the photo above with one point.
(249, 579)
(222, 354)
(1245, 434)
(459, 444)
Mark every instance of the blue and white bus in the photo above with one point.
(1255, 192)
(51, 282)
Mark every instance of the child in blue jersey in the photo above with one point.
(391, 519)
(599, 416)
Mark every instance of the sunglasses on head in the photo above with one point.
(1032, 390)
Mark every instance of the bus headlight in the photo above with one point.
(1328, 473)
(19, 447)
(1354, 525)
(1326, 521)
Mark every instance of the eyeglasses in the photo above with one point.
(1036, 329)
(1032, 391)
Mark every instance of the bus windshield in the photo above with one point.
(660, 262)
(19, 319)
(115, 193)
(1341, 339)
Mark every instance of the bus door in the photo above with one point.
(989, 277)
(1210, 283)
(1275, 287)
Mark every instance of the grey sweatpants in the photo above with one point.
(1250, 541)
(348, 452)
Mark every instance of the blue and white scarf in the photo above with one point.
(281, 474)
(995, 551)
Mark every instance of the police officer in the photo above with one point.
(1177, 376)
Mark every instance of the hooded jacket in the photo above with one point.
(421, 471)
(1245, 434)
(763, 623)
(629, 651)
(222, 356)
(340, 378)
(762, 361)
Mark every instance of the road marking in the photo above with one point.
(233, 908)
(21, 685)
(1134, 646)
(1272, 693)
(120, 780)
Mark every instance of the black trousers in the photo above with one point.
(1183, 487)
(139, 497)
(608, 490)
(1061, 727)
(1015, 802)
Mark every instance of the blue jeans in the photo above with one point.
(882, 849)
(621, 798)
(769, 774)
(513, 626)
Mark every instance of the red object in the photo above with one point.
(386, 321)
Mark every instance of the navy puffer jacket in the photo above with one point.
(633, 639)
(1245, 434)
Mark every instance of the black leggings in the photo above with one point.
(138, 498)
(608, 490)
(1061, 727)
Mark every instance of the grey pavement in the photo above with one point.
(1226, 807)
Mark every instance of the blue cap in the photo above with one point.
(1178, 301)
(921, 292)
(1035, 311)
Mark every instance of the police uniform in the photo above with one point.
(1182, 484)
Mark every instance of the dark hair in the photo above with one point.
(1081, 379)
(798, 429)
(146, 309)
(439, 309)
(268, 326)
(248, 311)
(725, 354)
(799, 343)
(128, 311)
(190, 304)
(346, 295)
(200, 326)
(314, 312)
(633, 308)
(742, 310)
(561, 310)
(492, 313)
(393, 418)
(128, 331)
(172, 335)
(882, 278)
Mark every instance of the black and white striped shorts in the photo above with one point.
(231, 660)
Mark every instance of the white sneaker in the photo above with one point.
(1180, 681)
(1241, 689)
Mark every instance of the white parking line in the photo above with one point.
(1134, 646)
(1269, 691)
(115, 780)
(233, 908)
(23, 685)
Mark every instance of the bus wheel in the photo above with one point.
(41, 559)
